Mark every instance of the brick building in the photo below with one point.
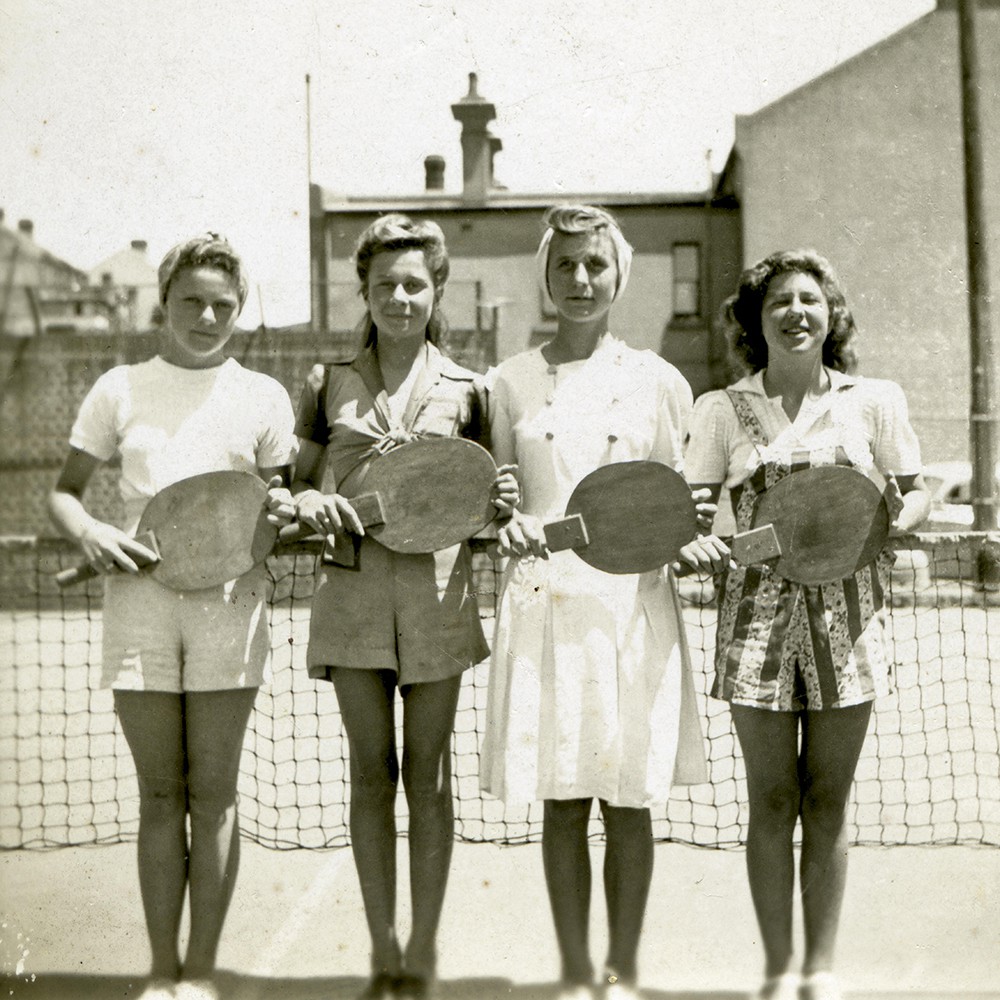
(687, 256)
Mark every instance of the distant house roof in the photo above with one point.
(18, 245)
(480, 190)
(130, 266)
(327, 201)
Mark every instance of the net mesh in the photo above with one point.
(929, 772)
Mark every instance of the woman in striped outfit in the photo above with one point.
(800, 665)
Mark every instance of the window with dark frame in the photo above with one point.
(687, 284)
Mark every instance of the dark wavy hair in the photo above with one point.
(741, 312)
(207, 250)
(400, 232)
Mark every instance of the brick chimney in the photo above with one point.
(434, 173)
(27, 227)
(478, 143)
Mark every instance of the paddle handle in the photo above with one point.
(368, 507)
(747, 547)
(756, 545)
(567, 533)
(87, 571)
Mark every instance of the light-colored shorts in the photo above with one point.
(416, 615)
(157, 639)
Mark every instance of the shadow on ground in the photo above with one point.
(66, 986)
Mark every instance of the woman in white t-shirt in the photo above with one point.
(184, 667)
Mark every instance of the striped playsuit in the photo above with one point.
(786, 646)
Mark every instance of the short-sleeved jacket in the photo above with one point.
(345, 409)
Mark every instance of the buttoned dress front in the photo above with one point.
(781, 645)
(416, 615)
(590, 691)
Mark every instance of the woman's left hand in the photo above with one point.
(704, 508)
(893, 501)
(506, 491)
(280, 504)
(908, 502)
(706, 554)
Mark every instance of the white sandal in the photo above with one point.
(783, 987)
(820, 986)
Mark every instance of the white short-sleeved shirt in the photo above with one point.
(168, 423)
(870, 422)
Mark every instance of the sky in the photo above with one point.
(139, 119)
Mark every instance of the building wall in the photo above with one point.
(865, 164)
(136, 287)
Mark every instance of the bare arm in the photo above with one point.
(103, 544)
(913, 505)
(707, 553)
(328, 513)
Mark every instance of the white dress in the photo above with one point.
(590, 691)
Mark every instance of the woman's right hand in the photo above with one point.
(522, 535)
(328, 513)
(107, 548)
(707, 554)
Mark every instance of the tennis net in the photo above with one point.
(929, 772)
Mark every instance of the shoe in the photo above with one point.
(783, 987)
(575, 991)
(158, 989)
(621, 991)
(382, 986)
(410, 987)
(196, 989)
(820, 986)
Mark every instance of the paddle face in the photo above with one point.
(830, 521)
(209, 528)
(432, 493)
(636, 516)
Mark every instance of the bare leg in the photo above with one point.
(215, 723)
(628, 873)
(769, 741)
(831, 744)
(153, 723)
(428, 722)
(366, 707)
(566, 857)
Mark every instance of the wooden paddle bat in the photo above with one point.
(820, 524)
(421, 497)
(207, 529)
(627, 517)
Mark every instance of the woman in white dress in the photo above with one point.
(590, 691)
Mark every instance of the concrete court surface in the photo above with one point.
(918, 923)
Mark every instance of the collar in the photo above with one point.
(754, 383)
(607, 345)
(437, 366)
